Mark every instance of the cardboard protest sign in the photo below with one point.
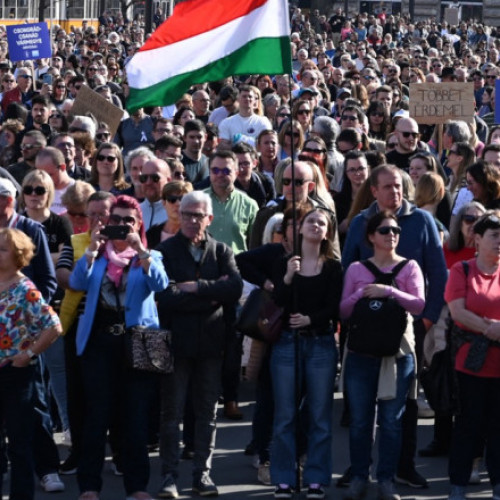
(88, 101)
(28, 41)
(434, 103)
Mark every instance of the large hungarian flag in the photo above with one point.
(206, 40)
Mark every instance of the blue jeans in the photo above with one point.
(56, 365)
(361, 382)
(479, 418)
(17, 396)
(204, 374)
(317, 366)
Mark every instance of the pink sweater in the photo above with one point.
(410, 292)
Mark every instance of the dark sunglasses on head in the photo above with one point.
(144, 178)
(298, 182)
(118, 219)
(38, 190)
(173, 199)
(384, 230)
(110, 158)
(217, 170)
(469, 219)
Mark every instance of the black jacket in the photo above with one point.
(197, 319)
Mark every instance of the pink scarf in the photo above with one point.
(117, 262)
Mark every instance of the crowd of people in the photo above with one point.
(313, 186)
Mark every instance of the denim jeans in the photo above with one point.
(17, 395)
(479, 418)
(205, 377)
(262, 425)
(317, 367)
(55, 363)
(361, 381)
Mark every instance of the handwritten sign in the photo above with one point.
(88, 101)
(433, 103)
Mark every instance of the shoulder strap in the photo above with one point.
(465, 265)
(379, 274)
(372, 268)
(398, 267)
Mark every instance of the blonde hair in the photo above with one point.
(429, 189)
(43, 178)
(77, 194)
(23, 249)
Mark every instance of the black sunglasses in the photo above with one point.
(110, 158)
(217, 170)
(469, 219)
(103, 135)
(312, 150)
(39, 190)
(173, 199)
(143, 178)
(116, 219)
(410, 134)
(385, 230)
(298, 182)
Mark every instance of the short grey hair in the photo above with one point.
(327, 128)
(135, 153)
(195, 197)
(458, 130)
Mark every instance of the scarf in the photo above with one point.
(117, 262)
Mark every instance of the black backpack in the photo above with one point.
(377, 325)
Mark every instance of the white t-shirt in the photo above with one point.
(239, 129)
(57, 206)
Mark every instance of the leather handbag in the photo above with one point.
(149, 349)
(260, 317)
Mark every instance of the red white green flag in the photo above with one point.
(207, 40)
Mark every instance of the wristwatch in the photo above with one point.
(31, 354)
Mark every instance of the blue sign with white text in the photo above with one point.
(28, 41)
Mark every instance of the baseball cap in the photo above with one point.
(7, 188)
(311, 90)
(343, 90)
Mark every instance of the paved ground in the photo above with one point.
(236, 479)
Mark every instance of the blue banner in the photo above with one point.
(28, 41)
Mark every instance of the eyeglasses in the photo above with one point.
(409, 134)
(369, 77)
(103, 135)
(92, 69)
(491, 76)
(304, 112)
(393, 71)
(27, 147)
(116, 219)
(244, 164)
(189, 216)
(313, 150)
(437, 65)
(385, 230)
(356, 171)
(350, 118)
(83, 215)
(173, 199)
(143, 178)
(469, 219)
(286, 181)
(223, 171)
(109, 158)
(38, 190)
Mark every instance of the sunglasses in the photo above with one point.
(286, 181)
(410, 134)
(312, 150)
(350, 118)
(56, 115)
(369, 77)
(385, 230)
(217, 171)
(380, 115)
(27, 147)
(60, 86)
(143, 178)
(109, 158)
(116, 219)
(469, 219)
(284, 115)
(173, 199)
(103, 135)
(39, 190)
(290, 133)
(24, 76)
(304, 112)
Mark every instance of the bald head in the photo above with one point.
(155, 174)
(304, 182)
